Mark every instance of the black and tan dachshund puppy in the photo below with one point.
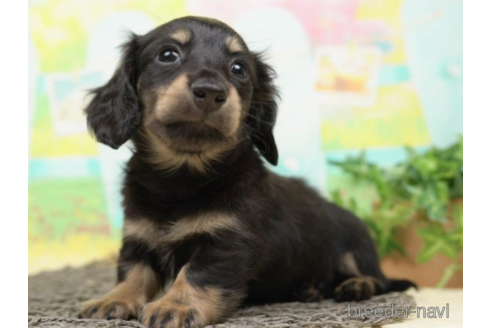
(205, 220)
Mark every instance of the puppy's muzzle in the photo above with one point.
(209, 94)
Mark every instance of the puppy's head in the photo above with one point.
(189, 89)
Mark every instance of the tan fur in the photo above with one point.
(142, 229)
(231, 114)
(360, 280)
(166, 159)
(168, 97)
(227, 119)
(234, 45)
(348, 265)
(181, 36)
(126, 298)
(183, 299)
(156, 236)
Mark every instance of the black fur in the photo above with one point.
(291, 241)
(114, 113)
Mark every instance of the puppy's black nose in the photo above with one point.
(209, 95)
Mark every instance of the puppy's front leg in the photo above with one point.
(207, 289)
(125, 300)
(137, 284)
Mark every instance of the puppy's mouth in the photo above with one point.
(192, 130)
(191, 137)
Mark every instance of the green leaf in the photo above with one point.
(423, 186)
(448, 274)
(429, 251)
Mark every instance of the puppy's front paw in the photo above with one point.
(110, 308)
(170, 314)
(355, 289)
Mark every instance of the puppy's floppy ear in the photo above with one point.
(263, 111)
(113, 115)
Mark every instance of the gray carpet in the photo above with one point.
(54, 300)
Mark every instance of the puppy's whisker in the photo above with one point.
(158, 18)
(258, 119)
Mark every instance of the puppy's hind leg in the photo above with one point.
(356, 289)
(308, 293)
(364, 279)
(355, 285)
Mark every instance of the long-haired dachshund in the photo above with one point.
(205, 221)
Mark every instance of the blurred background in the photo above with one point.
(371, 116)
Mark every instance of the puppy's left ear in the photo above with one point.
(113, 115)
(263, 111)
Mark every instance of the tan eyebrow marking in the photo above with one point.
(234, 44)
(181, 35)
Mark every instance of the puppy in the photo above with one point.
(205, 221)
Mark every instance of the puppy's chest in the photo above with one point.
(162, 235)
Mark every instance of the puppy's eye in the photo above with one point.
(169, 56)
(239, 70)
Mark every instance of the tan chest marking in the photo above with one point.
(156, 235)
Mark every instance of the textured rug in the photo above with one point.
(54, 299)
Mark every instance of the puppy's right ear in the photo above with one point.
(263, 111)
(113, 115)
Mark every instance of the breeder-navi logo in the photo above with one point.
(432, 312)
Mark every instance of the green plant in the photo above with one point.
(425, 190)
